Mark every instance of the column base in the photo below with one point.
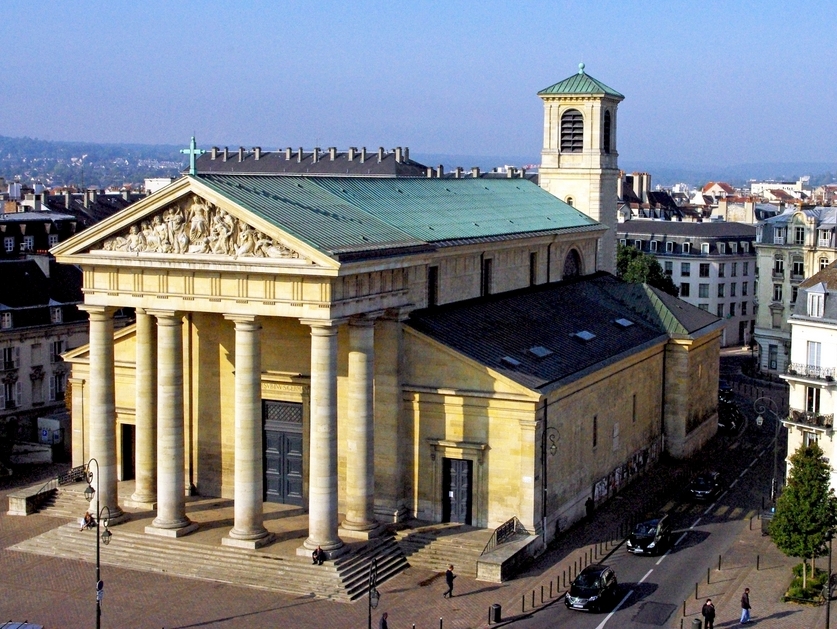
(304, 551)
(394, 514)
(364, 532)
(249, 543)
(174, 532)
(117, 516)
(148, 502)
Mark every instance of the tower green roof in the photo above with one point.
(581, 83)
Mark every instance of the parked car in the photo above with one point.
(704, 487)
(650, 537)
(593, 589)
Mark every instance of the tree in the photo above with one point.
(806, 512)
(632, 265)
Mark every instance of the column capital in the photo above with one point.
(170, 317)
(366, 319)
(99, 312)
(323, 327)
(243, 319)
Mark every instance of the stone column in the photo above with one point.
(171, 520)
(103, 411)
(360, 468)
(248, 529)
(322, 484)
(145, 492)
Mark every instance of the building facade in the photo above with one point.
(713, 264)
(790, 247)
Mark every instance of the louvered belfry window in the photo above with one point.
(606, 133)
(572, 131)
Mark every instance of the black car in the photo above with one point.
(704, 487)
(650, 537)
(593, 589)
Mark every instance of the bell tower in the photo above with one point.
(579, 158)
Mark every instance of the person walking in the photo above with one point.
(383, 624)
(708, 612)
(745, 606)
(449, 577)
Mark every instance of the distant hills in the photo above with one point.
(103, 165)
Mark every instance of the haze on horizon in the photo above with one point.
(704, 83)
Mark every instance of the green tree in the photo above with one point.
(632, 265)
(806, 512)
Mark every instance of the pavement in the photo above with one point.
(59, 593)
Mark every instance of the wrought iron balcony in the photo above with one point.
(811, 371)
(815, 420)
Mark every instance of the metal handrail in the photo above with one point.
(503, 533)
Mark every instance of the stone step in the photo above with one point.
(68, 504)
(342, 580)
(434, 548)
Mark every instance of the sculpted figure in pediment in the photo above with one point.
(198, 227)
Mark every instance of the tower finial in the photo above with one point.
(581, 68)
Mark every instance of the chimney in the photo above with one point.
(522, 173)
(429, 172)
(406, 153)
(226, 153)
(126, 194)
(457, 173)
(332, 152)
(352, 151)
(240, 153)
(440, 171)
(475, 172)
(510, 172)
(398, 154)
(68, 199)
(257, 152)
(620, 183)
(288, 154)
(299, 155)
(214, 152)
(380, 154)
(316, 155)
(363, 155)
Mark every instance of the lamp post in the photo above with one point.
(549, 434)
(89, 492)
(374, 595)
(764, 405)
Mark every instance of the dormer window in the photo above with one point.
(687, 247)
(816, 300)
(704, 248)
(669, 247)
(722, 248)
(56, 314)
(5, 320)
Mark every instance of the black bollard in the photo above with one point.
(758, 558)
(696, 590)
(708, 570)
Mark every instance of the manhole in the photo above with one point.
(651, 613)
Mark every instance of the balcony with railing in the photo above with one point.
(816, 372)
(824, 242)
(778, 274)
(808, 419)
(778, 240)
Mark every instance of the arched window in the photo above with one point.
(572, 131)
(572, 265)
(570, 201)
(606, 133)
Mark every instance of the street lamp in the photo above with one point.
(764, 405)
(374, 595)
(104, 536)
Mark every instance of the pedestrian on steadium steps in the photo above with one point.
(708, 613)
(745, 606)
(449, 577)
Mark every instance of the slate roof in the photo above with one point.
(581, 83)
(507, 325)
(24, 285)
(706, 229)
(345, 217)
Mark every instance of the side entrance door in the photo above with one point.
(456, 490)
(282, 452)
(129, 448)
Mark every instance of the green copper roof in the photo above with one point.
(354, 214)
(581, 83)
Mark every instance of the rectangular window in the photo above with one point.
(815, 303)
(704, 269)
(57, 350)
(685, 269)
(37, 391)
(9, 244)
(777, 292)
(704, 248)
(11, 357)
(721, 290)
(772, 356)
(57, 387)
(794, 293)
(616, 436)
(799, 235)
(653, 244)
(733, 247)
(703, 291)
(11, 395)
(623, 242)
(668, 266)
(533, 268)
(485, 288)
(638, 245)
(814, 353)
(686, 247)
(56, 314)
(778, 265)
(743, 308)
(779, 236)
(52, 239)
(733, 269)
(812, 404)
(824, 238)
(670, 247)
(823, 263)
(685, 289)
(633, 409)
(722, 269)
(720, 310)
(798, 267)
(28, 243)
(732, 309)
(595, 430)
(746, 268)
(745, 247)
(743, 289)
(722, 248)
(732, 288)
(703, 306)
(5, 320)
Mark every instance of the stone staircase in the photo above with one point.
(66, 502)
(343, 579)
(435, 546)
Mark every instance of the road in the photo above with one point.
(652, 589)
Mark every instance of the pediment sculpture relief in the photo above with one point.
(196, 226)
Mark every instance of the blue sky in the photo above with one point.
(705, 83)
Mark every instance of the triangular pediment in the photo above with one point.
(188, 221)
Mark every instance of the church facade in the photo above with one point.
(375, 347)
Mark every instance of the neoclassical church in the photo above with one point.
(374, 340)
